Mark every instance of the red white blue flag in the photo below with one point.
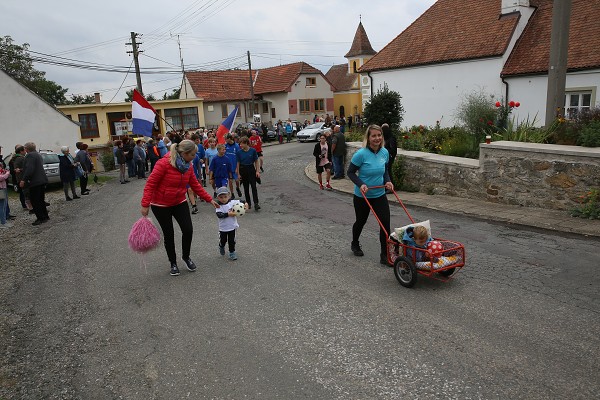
(226, 126)
(143, 115)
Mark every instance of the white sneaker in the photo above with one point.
(6, 225)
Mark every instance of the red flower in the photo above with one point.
(490, 123)
(517, 104)
(511, 103)
(498, 104)
(480, 119)
(413, 132)
(406, 136)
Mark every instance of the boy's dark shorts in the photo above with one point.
(324, 167)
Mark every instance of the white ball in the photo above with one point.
(239, 209)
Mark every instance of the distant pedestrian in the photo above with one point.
(256, 144)
(338, 151)
(121, 161)
(18, 164)
(288, 130)
(35, 179)
(322, 153)
(247, 169)
(220, 168)
(4, 208)
(165, 192)
(153, 153)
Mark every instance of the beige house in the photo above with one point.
(101, 123)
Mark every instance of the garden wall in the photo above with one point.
(526, 174)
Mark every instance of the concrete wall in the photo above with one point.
(27, 118)
(526, 174)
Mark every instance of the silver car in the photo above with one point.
(312, 132)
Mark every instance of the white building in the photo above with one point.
(500, 47)
(27, 118)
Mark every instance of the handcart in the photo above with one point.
(442, 265)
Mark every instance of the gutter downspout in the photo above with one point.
(371, 79)
(506, 96)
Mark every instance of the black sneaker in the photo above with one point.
(194, 209)
(190, 264)
(355, 247)
(174, 269)
(256, 207)
(383, 259)
(262, 169)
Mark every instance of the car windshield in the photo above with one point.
(50, 158)
(315, 126)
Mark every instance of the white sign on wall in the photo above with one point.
(123, 128)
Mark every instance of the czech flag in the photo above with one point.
(226, 126)
(143, 115)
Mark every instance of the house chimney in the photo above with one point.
(511, 6)
(97, 98)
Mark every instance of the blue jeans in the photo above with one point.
(131, 168)
(338, 166)
(4, 209)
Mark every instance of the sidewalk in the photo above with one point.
(553, 220)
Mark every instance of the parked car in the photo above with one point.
(51, 163)
(312, 132)
(271, 134)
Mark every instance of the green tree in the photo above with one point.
(17, 63)
(385, 107)
(129, 97)
(79, 99)
(173, 96)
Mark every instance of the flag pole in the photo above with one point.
(166, 122)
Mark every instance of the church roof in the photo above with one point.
(360, 45)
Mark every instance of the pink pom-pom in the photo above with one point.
(144, 236)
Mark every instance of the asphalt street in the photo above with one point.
(297, 315)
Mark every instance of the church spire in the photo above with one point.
(360, 45)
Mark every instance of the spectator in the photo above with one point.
(338, 151)
(153, 153)
(68, 172)
(247, 169)
(139, 157)
(391, 146)
(4, 209)
(83, 158)
(256, 144)
(162, 146)
(128, 147)
(121, 161)
(34, 177)
(18, 162)
(231, 150)
(322, 153)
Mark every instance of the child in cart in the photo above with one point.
(417, 236)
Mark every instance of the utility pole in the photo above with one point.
(135, 51)
(557, 70)
(182, 68)
(251, 87)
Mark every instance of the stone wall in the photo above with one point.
(526, 174)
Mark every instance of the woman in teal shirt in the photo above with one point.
(371, 164)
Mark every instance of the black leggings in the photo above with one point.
(248, 175)
(227, 237)
(361, 210)
(181, 213)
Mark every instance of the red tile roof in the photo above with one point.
(449, 30)
(531, 54)
(361, 46)
(340, 78)
(235, 84)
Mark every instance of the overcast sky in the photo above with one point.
(214, 34)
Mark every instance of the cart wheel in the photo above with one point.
(447, 272)
(405, 272)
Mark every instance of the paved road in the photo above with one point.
(297, 316)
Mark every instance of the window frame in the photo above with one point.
(304, 106)
(572, 111)
(85, 127)
(319, 105)
(311, 81)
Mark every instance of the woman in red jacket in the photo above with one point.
(165, 192)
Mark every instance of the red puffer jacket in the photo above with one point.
(167, 187)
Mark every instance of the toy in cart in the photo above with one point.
(412, 251)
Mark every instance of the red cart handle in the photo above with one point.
(373, 211)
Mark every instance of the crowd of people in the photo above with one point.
(183, 164)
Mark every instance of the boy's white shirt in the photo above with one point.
(229, 223)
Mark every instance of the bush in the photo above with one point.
(477, 114)
(108, 160)
(461, 144)
(355, 135)
(399, 175)
(384, 107)
(590, 135)
(590, 206)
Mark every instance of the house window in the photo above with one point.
(304, 106)
(89, 126)
(354, 66)
(576, 102)
(311, 81)
(255, 108)
(265, 108)
(183, 118)
(319, 105)
(273, 113)
(224, 112)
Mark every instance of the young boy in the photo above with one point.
(417, 236)
(221, 170)
(227, 221)
(247, 169)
